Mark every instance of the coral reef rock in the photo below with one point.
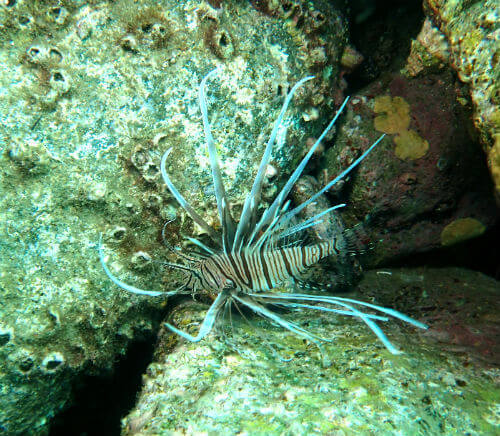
(472, 33)
(426, 185)
(252, 378)
(92, 94)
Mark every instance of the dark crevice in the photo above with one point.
(99, 402)
(381, 30)
(478, 254)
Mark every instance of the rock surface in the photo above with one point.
(95, 93)
(472, 32)
(426, 185)
(446, 381)
(92, 94)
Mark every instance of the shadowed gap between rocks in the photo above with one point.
(381, 31)
(101, 401)
(478, 254)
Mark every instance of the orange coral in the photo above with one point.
(394, 114)
(461, 230)
(393, 117)
(410, 145)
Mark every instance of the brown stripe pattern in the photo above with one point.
(263, 270)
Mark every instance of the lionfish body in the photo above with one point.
(253, 256)
(262, 270)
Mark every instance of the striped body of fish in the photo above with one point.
(251, 256)
(260, 271)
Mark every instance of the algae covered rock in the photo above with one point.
(472, 32)
(251, 378)
(426, 185)
(92, 94)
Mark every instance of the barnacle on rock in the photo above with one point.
(58, 14)
(24, 361)
(31, 157)
(6, 335)
(428, 52)
(118, 233)
(143, 161)
(150, 28)
(51, 78)
(140, 260)
(150, 171)
(60, 82)
(139, 156)
(316, 21)
(153, 201)
(26, 364)
(52, 362)
(218, 40)
(351, 58)
(129, 43)
(47, 57)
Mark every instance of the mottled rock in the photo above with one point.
(429, 52)
(425, 175)
(91, 96)
(235, 383)
(472, 31)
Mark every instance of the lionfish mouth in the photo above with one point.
(254, 255)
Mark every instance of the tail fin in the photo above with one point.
(357, 240)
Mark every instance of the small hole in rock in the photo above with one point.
(56, 54)
(223, 41)
(33, 52)
(4, 338)
(58, 77)
(53, 364)
(119, 233)
(24, 20)
(26, 364)
(55, 11)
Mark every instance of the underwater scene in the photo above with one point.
(249, 217)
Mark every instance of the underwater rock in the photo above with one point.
(425, 175)
(239, 382)
(429, 52)
(472, 31)
(92, 94)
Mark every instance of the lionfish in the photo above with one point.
(253, 256)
